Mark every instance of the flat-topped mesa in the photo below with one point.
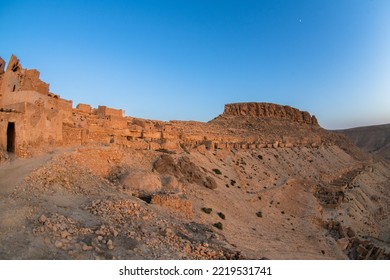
(270, 110)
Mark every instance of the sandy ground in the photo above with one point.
(110, 203)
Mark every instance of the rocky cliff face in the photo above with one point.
(269, 110)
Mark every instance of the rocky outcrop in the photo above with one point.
(270, 110)
(185, 170)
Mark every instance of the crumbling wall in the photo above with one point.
(85, 108)
(2, 65)
(38, 115)
(11, 116)
(103, 111)
(30, 81)
(18, 79)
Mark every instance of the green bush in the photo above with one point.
(259, 214)
(217, 171)
(218, 225)
(207, 210)
(221, 215)
(260, 157)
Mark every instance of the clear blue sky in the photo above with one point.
(185, 59)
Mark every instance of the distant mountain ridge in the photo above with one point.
(374, 139)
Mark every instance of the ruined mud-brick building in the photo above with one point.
(30, 114)
(32, 117)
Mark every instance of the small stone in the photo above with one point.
(109, 245)
(99, 232)
(100, 238)
(115, 233)
(361, 250)
(87, 248)
(64, 234)
(58, 244)
(168, 232)
(343, 243)
(350, 232)
(42, 219)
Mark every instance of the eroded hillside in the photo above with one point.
(373, 139)
(110, 202)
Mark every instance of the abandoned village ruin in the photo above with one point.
(258, 181)
(32, 117)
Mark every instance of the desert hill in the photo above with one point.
(259, 181)
(112, 202)
(373, 139)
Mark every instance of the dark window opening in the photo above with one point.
(146, 198)
(11, 137)
(13, 88)
(15, 67)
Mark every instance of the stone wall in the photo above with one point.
(2, 65)
(103, 111)
(84, 108)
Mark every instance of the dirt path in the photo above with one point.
(13, 172)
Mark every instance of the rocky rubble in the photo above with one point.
(356, 248)
(63, 173)
(127, 231)
(138, 223)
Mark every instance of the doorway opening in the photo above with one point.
(11, 137)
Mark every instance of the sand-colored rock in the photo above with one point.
(140, 181)
(269, 110)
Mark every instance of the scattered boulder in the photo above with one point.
(170, 184)
(142, 182)
(343, 243)
(166, 165)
